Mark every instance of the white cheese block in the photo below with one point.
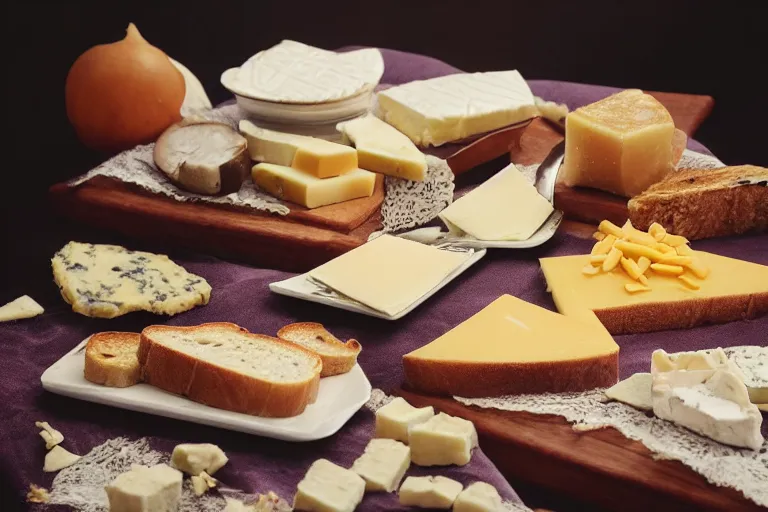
(59, 458)
(329, 488)
(292, 72)
(436, 492)
(383, 464)
(442, 440)
(454, 107)
(634, 391)
(23, 307)
(383, 149)
(193, 459)
(50, 435)
(478, 497)
(145, 489)
(753, 363)
(506, 207)
(394, 419)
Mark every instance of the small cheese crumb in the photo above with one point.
(202, 483)
(636, 287)
(590, 270)
(38, 494)
(50, 435)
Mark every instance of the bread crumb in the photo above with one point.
(37, 494)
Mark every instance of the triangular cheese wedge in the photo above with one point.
(733, 290)
(23, 307)
(514, 347)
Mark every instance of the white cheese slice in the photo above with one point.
(329, 488)
(394, 419)
(506, 207)
(383, 149)
(23, 307)
(383, 464)
(59, 458)
(50, 435)
(193, 459)
(634, 390)
(436, 492)
(388, 273)
(442, 440)
(292, 72)
(753, 363)
(145, 489)
(478, 497)
(454, 107)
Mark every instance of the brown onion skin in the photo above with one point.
(123, 94)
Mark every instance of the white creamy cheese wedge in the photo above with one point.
(442, 440)
(394, 419)
(753, 363)
(436, 492)
(383, 149)
(478, 497)
(506, 207)
(145, 489)
(23, 307)
(389, 273)
(292, 72)
(383, 464)
(59, 458)
(634, 390)
(329, 488)
(318, 157)
(193, 459)
(454, 107)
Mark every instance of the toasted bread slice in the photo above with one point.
(338, 356)
(111, 359)
(225, 366)
(705, 203)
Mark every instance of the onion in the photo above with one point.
(123, 94)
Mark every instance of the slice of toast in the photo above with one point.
(111, 359)
(705, 203)
(225, 366)
(338, 356)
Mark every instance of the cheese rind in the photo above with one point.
(383, 464)
(634, 390)
(478, 497)
(383, 149)
(442, 440)
(193, 459)
(318, 157)
(145, 489)
(394, 419)
(506, 207)
(21, 308)
(329, 488)
(454, 107)
(436, 492)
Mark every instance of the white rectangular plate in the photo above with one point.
(301, 287)
(338, 399)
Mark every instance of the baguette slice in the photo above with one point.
(225, 366)
(111, 359)
(338, 357)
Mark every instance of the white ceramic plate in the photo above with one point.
(544, 233)
(301, 287)
(338, 399)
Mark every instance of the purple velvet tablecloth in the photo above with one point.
(241, 295)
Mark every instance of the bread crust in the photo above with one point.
(111, 359)
(473, 380)
(333, 364)
(223, 388)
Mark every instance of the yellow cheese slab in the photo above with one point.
(388, 273)
(301, 188)
(622, 144)
(505, 207)
(318, 157)
(382, 148)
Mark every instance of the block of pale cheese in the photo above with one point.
(383, 464)
(506, 207)
(301, 188)
(442, 440)
(622, 144)
(389, 273)
(318, 157)
(512, 347)
(145, 489)
(193, 459)
(394, 419)
(436, 492)
(381, 148)
(329, 488)
(478, 497)
(450, 108)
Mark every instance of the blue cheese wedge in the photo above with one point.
(106, 281)
(753, 363)
(23, 307)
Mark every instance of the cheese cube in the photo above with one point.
(193, 459)
(429, 492)
(442, 440)
(394, 419)
(383, 464)
(478, 497)
(381, 148)
(301, 188)
(145, 489)
(622, 144)
(318, 157)
(329, 488)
